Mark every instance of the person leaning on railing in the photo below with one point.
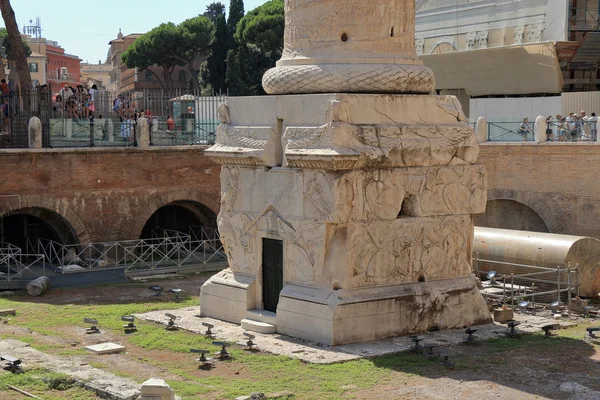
(549, 133)
(524, 129)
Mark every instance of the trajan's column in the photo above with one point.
(348, 194)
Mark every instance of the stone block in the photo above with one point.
(105, 348)
(156, 389)
(35, 133)
(227, 296)
(257, 326)
(356, 315)
(345, 131)
(503, 315)
(577, 305)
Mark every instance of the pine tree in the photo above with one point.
(236, 12)
(216, 65)
(235, 84)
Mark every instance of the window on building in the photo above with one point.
(148, 75)
(33, 67)
(181, 76)
(35, 83)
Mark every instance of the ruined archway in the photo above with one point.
(180, 216)
(511, 214)
(19, 225)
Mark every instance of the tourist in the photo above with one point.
(549, 134)
(126, 129)
(5, 115)
(92, 100)
(593, 122)
(563, 128)
(574, 128)
(170, 124)
(4, 88)
(524, 129)
(584, 128)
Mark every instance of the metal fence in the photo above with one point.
(79, 117)
(14, 264)
(16, 109)
(172, 252)
(513, 283)
(510, 132)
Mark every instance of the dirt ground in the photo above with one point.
(484, 371)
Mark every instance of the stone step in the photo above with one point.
(257, 326)
(267, 317)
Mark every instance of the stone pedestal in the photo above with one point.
(371, 196)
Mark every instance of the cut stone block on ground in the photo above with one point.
(105, 348)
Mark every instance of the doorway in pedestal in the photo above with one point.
(272, 273)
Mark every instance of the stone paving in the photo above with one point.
(105, 384)
(312, 352)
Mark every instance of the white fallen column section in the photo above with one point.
(35, 133)
(482, 130)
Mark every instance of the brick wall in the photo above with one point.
(560, 182)
(106, 194)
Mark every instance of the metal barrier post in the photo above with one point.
(512, 290)
(92, 132)
(577, 278)
(558, 284)
(569, 284)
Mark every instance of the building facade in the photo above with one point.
(59, 67)
(98, 74)
(519, 48)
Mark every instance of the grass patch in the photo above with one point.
(257, 372)
(50, 385)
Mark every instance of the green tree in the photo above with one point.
(214, 10)
(236, 13)
(259, 36)
(214, 71)
(169, 45)
(195, 37)
(263, 27)
(14, 41)
(147, 51)
(235, 83)
(5, 43)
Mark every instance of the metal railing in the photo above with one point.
(173, 251)
(510, 132)
(520, 282)
(564, 131)
(14, 264)
(70, 118)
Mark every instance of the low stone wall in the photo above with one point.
(106, 194)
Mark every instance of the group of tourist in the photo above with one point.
(76, 103)
(572, 128)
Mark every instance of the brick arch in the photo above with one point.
(539, 203)
(183, 198)
(56, 212)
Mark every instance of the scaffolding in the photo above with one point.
(521, 282)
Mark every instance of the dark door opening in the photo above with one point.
(272, 273)
(171, 218)
(16, 229)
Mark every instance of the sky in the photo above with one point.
(85, 28)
